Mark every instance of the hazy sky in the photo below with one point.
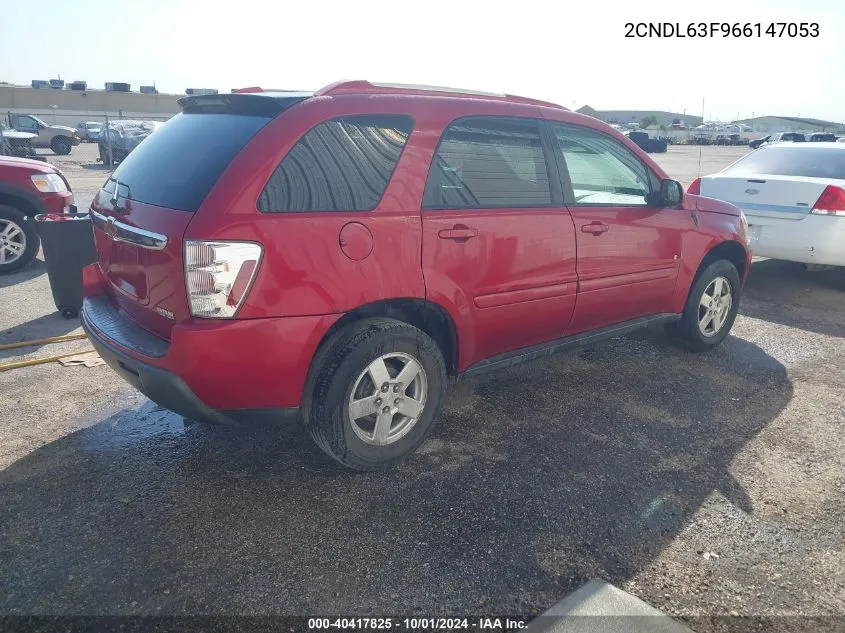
(571, 53)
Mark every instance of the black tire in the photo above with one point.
(69, 312)
(335, 372)
(687, 332)
(33, 242)
(61, 145)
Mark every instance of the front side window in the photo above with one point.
(27, 122)
(602, 170)
(485, 162)
(340, 165)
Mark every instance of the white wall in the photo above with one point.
(72, 117)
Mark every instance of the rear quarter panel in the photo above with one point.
(304, 270)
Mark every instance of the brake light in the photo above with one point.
(218, 276)
(831, 202)
(695, 187)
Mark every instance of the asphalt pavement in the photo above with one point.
(711, 486)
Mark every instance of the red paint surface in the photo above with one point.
(514, 277)
(356, 241)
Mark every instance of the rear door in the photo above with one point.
(628, 252)
(141, 213)
(498, 244)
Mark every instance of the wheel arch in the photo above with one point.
(730, 250)
(425, 315)
(28, 204)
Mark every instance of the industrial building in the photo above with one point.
(635, 116)
(69, 107)
(773, 124)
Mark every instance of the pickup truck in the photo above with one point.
(58, 138)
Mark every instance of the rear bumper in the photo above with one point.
(815, 239)
(219, 371)
(162, 387)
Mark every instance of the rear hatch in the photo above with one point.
(777, 183)
(141, 213)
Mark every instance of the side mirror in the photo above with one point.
(671, 194)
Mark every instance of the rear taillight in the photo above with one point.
(831, 202)
(695, 187)
(218, 276)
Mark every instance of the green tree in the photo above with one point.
(646, 121)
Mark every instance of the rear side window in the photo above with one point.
(805, 161)
(487, 163)
(340, 165)
(177, 165)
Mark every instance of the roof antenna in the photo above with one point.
(701, 144)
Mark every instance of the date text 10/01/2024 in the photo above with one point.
(721, 29)
(418, 623)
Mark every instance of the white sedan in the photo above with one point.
(793, 195)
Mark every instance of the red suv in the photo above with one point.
(337, 256)
(27, 188)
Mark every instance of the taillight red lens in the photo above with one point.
(831, 202)
(695, 187)
(241, 283)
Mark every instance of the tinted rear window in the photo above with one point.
(340, 165)
(809, 162)
(177, 165)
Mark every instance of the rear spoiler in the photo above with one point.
(267, 104)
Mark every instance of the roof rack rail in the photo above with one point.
(361, 86)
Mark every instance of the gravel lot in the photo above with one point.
(710, 486)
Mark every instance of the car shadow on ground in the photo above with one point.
(536, 479)
(31, 271)
(97, 167)
(809, 300)
(46, 326)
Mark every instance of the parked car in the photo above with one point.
(336, 257)
(124, 136)
(822, 137)
(786, 137)
(14, 143)
(647, 144)
(58, 138)
(759, 141)
(793, 196)
(27, 188)
(89, 130)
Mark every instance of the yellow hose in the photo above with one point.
(44, 341)
(40, 361)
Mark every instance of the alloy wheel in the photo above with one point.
(714, 306)
(388, 398)
(12, 241)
